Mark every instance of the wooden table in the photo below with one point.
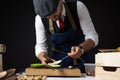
(83, 77)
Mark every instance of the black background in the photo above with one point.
(18, 33)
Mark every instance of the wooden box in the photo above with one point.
(53, 72)
(107, 66)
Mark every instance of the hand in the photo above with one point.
(43, 57)
(76, 52)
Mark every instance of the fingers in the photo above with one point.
(75, 52)
(43, 57)
(44, 61)
(47, 60)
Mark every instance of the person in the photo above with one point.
(74, 40)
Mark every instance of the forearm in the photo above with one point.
(87, 45)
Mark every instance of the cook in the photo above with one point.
(75, 36)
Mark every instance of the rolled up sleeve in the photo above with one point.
(41, 38)
(86, 23)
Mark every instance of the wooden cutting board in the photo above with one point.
(53, 72)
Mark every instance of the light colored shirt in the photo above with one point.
(85, 23)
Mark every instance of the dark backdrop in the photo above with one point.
(18, 33)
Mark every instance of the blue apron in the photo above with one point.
(64, 42)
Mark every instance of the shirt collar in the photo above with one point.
(63, 11)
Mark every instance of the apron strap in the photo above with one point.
(51, 28)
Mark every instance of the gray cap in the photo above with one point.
(45, 7)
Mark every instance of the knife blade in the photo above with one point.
(59, 61)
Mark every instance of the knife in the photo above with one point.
(59, 61)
